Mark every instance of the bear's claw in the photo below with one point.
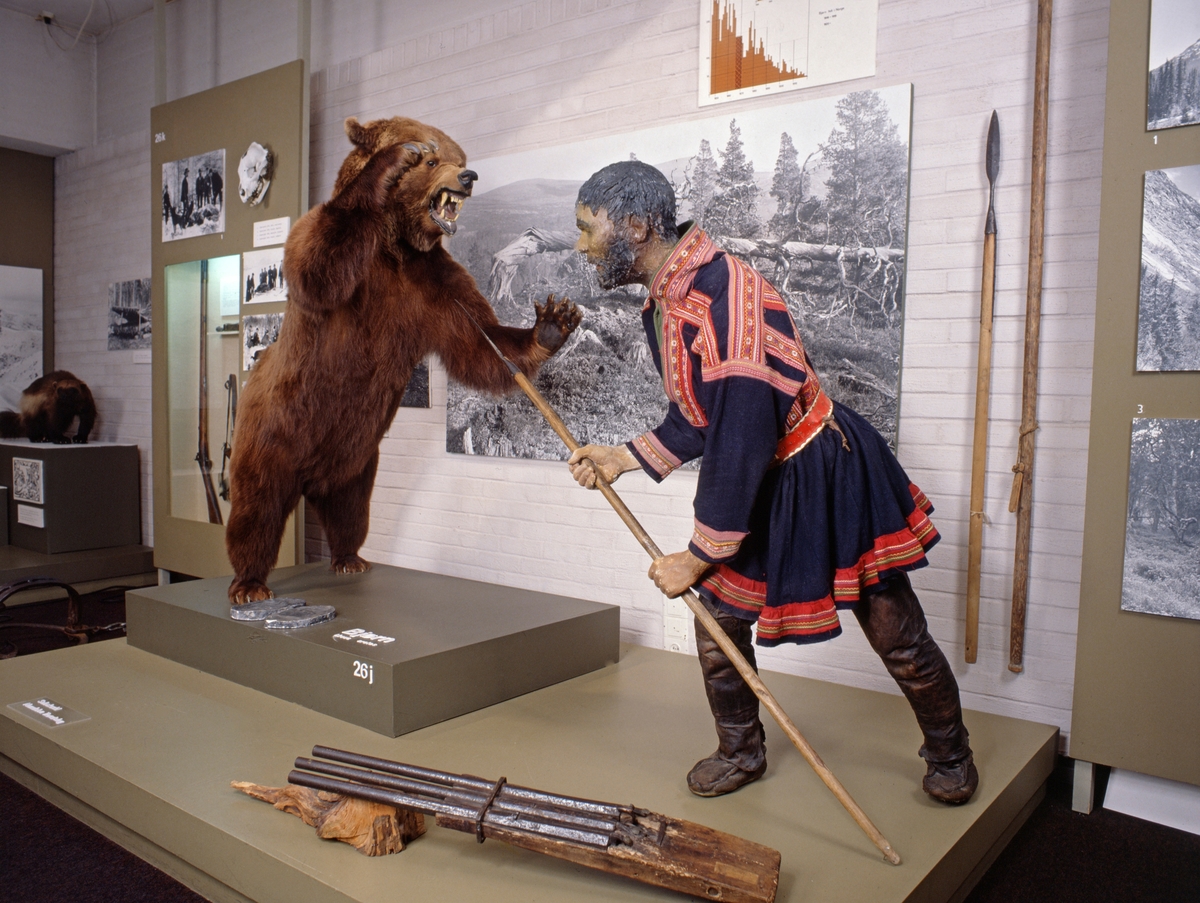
(556, 320)
(243, 592)
(349, 564)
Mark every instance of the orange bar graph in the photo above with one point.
(741, 62)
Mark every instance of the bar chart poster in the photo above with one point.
(752, 48)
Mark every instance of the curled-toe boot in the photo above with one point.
(741, 755)
(895, 626)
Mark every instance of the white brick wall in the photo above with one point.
(47, 94)
(517, 76)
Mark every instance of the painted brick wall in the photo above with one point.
(101, 226)
(546, 72)
(46, 93)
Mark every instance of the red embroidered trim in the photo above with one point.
(656, 454)
(717, 544)
(798, 619)
(805, 431)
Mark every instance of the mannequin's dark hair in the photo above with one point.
(632, 188)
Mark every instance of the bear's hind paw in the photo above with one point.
(349, 564)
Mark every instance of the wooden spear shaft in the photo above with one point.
(1021, 500)
(714, 629)
(983, 388)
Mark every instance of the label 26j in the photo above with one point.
(364, 671)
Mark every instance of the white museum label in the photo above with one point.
(272, 231)
(45, 710)
(142, 356)
(31, 517)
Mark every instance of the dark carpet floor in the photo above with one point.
(1058, 856)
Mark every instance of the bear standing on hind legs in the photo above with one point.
(371, 293)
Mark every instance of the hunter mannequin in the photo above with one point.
(801, 508)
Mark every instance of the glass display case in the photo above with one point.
(202, 384)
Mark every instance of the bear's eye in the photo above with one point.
(431, 163)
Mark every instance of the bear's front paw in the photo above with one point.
(349, 564)
(243, 592)
(556, 319)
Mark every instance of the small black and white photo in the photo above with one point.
(1173, 89)
(27, 481)
(1169, 289)
(259, 332)
(193, 196)
(262, 276)
(20, 332)
(129, 315)
(1162, 526)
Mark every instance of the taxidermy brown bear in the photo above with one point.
(371, 293)
(49, 405)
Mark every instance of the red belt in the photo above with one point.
(806, 430)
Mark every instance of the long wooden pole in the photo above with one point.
(1021, 500)
(714, 629)
(983, 388)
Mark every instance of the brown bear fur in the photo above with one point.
(49, 405)
(371, 293)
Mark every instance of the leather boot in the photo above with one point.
(741, 755)
(895, 627)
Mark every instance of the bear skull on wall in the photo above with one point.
(254, 174)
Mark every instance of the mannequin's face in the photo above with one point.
(606, 246)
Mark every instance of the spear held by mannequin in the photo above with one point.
(709, 622)
(983, 387)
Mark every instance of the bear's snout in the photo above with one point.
(467, 178)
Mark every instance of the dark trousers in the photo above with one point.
(895, 626)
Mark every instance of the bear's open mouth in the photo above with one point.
(445, 207)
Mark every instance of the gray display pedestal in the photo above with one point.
(407, 649)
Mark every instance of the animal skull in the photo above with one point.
(254, 174)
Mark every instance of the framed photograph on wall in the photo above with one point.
(1162, 526)
(129, 317)
(262, 276)
(1173, 89)
(759, 49)
(259, 332)
(1169, 286)
(193, 196)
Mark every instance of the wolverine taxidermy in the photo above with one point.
(372, 292)
(49, 405)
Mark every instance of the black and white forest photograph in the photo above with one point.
(1162, 526)
(1169, 289)
(1173, 90)
(20, 332)
(129, 315)
(259, 332)
(193, 196)
(262, 276)
(814, 195)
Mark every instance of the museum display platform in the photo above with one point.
(406, 650)
(152, 764)
(80, 569)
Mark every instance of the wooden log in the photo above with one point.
(374, 829)
(689, 858)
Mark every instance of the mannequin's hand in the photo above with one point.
(678, 572)
(610, 460)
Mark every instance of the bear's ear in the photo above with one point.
(359, 135)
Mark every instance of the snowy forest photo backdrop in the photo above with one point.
(814, 195)
(1162, 528)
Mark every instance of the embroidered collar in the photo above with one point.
(674, 278)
